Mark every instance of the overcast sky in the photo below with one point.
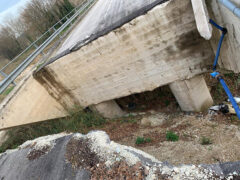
(10, 8)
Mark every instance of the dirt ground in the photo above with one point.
(222, 131)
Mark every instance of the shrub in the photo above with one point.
(205, 141)
(171, 136)
(148, 140)
(142, 140)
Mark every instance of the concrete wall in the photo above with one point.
(230, 53)
(152, 50)
(29, 102)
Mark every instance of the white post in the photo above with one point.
(202, 18)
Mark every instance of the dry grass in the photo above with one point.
(221, 143)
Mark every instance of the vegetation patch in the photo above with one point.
(171, 136)
(81, 121)
(78, 121)
(8, 90)
(205, 141)
(5, 93)
(217, 91)
(142, 140)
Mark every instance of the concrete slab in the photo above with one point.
(104, 17)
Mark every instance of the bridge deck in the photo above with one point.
(104, 17)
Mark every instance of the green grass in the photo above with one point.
(205, 141)
(5, 93)
(77, 122)
(234, 118)
(8, 90)
(171, 136)
(129, 119)
(39, 65)
(230, 75)
(142, 140)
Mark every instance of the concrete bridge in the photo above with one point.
(122, 48)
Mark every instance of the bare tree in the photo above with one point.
(9, 44)
(36, 18)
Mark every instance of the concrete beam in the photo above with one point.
(108, 109)
(202, 18)
(192, 94)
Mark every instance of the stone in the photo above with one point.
(154, 120)
(108, 109)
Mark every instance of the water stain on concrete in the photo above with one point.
(56, 89)
(188, 40)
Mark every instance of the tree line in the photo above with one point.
(35, 19)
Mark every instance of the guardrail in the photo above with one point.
(9, 79)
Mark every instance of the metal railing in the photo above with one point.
(9, 78)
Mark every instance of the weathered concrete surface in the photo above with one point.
(152, 50)
(160, 46)
(49, 158)
(108, 109)
(202, 18)
(104, 17)
(192, 94)
(230, 54)
(29, 103)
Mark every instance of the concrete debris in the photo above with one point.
(93, 156)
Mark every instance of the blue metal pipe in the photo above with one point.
(217, 74)
(224, 31)
(216, 25)
(218, 52)
(231, 98)
(231, 6)
(228, 92)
